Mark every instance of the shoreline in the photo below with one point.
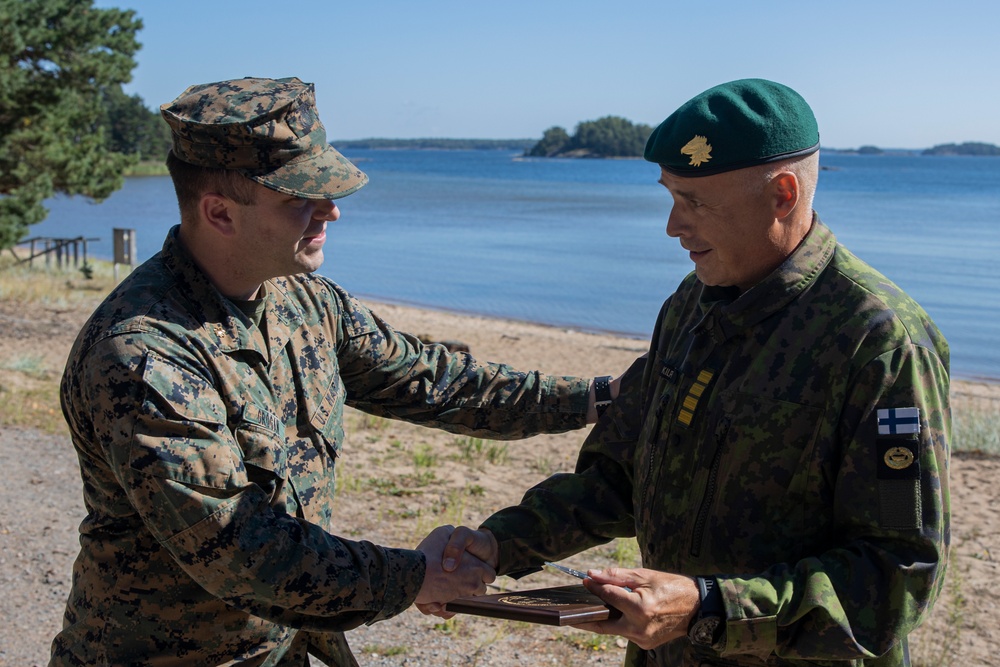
(396, 481)
(572, 328)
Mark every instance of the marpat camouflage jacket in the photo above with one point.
(792, 441)
(208, 456)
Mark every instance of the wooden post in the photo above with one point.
(124, 247)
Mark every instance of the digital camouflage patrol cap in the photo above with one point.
(267, 129)
(734, 125)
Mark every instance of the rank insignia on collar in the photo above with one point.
(898, 421)
(699, 149)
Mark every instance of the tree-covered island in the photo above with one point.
(968, 148)
(611, 136)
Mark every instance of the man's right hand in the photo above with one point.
(454, 567)
(455, 558)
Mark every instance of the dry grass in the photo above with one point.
(52, 287)
(33, 349)
(397, 481)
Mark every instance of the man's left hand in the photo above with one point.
(658, 608)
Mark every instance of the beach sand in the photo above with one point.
(398, 481)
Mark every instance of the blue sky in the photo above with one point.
(892, 74)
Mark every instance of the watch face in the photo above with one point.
(704, 630)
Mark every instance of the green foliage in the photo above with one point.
(611, 136)
(56, 59)
(625, 552)
(424, 457)
(475, 451)
(132, 128)
(554, 141)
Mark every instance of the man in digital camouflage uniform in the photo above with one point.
(781, 453)
(205, 397)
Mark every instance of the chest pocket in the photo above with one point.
(766, 503)
(328, 417)
(768, 444)
(261, 436)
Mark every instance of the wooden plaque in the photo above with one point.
(562, 605)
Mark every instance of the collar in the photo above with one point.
(221, 319)
(726, 311)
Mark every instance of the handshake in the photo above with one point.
(460, 561)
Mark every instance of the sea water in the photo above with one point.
(581, 243)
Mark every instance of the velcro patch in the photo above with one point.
(898, 458)
(898, 421)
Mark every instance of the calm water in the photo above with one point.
(581, 243)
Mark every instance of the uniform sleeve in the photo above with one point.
(392, 374)
(886, 561)
(215, 512)
(591, 506)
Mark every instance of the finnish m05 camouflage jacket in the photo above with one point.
(208, 452)
(793, 441)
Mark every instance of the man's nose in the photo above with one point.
(675, 226)
(327, 210)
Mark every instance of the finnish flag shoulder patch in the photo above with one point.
(898, 421)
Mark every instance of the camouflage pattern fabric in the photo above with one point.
(267, 129)
(793, 441)
(208, 457)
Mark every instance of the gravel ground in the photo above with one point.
(41, 507)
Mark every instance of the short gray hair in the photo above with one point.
(806, 170)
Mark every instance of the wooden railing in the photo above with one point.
(60, 251)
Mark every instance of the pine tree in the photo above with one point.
(57, 58)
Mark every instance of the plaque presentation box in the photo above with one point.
(562, 605)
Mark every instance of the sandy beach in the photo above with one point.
(398, 481)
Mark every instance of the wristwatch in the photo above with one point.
(709, 625)
(602, 393)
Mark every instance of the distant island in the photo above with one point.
(616, 137)
(607, 137)
(968, 148)
(438, 144)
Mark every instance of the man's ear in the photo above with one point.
(785, 193)
(217, 212)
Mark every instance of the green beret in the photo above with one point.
(734, 125)
(267, 129)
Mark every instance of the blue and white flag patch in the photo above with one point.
(894, 421)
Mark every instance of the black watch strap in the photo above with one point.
(711, 597)
(709, 625)
(602, 393)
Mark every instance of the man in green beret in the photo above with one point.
(206, 395)
(781, 452)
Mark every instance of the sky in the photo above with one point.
(891, 74)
